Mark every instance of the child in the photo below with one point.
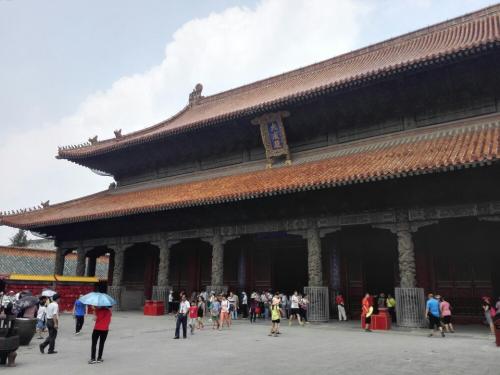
(193, 316)
(41, 317)
(201, 311)
(215, 311)
(275, 319)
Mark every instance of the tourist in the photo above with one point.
(294, 309)
(497, 306)
(433, 314)
(41, 317)
(244, 305)
(52, 325)
(489, 313)
(284, 303)
(215, 312)
(275, 315)
(391, 307)
(224, 313)
(232, 306)
(264, 304)
(445, 309)
(201, 312)
(170, 302)
(193, 316)
(339, 301)
(182, 317)
(303, 306)
(79, 312)
(102, 320)
(367, 311)
(381, 300)
(254, 304)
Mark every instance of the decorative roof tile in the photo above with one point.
(461, 36)
(445, 147)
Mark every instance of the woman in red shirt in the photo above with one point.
(101, 327)
(367, 310)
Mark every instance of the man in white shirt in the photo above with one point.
(182, 317)
(294, 308)
(52, 324)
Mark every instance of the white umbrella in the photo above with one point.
(48, 293)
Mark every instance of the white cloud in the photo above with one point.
(223, 50)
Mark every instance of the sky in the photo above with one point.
(70, 70)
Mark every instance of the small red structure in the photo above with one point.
(154, 308)
(380, 321)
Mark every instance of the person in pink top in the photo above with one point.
(445, 308)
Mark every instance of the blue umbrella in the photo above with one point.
(97, 299)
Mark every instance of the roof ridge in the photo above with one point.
(394, 41)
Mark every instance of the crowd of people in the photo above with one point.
(222, 308)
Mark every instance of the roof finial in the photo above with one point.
(195, 95)
(93, 140)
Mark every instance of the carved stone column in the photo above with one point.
(218, 242)
(406, 252)
(217, 260)
(115, 290)
(314, 265)
(161, 290)
(59, 262)
(91, 266)
(80, 261)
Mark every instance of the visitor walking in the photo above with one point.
(303, 307)
(275, 315)
(201, 311)
(445, 309)
(182, 317)
(489, 313)
(391, 306)
(100, 333)
(224, 313)
(367, 311)
(244, 305)
(193, 316)
(253, 309)
(294, 309)
(215, 313)
(339, 301)
(433, 314)
(41, 317)
(79, 312)
(170, 302)
(232, 305)
(52, 325)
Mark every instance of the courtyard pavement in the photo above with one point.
(140, 344)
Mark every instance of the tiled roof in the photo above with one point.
(458, 37)
(23, 260)
(439, 148)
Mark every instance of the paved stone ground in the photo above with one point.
(143, 345)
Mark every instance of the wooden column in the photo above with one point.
(59, 261)
(80, 261)
(91, 265)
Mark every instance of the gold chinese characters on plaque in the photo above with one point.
(273, 136)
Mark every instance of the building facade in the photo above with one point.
(372, 170)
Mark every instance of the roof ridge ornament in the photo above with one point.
(118, 133)
(195, 95)
(93, 140)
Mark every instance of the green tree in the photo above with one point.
(20, 239)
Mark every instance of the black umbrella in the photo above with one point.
(25, 302)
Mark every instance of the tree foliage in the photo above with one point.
(20, 239)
